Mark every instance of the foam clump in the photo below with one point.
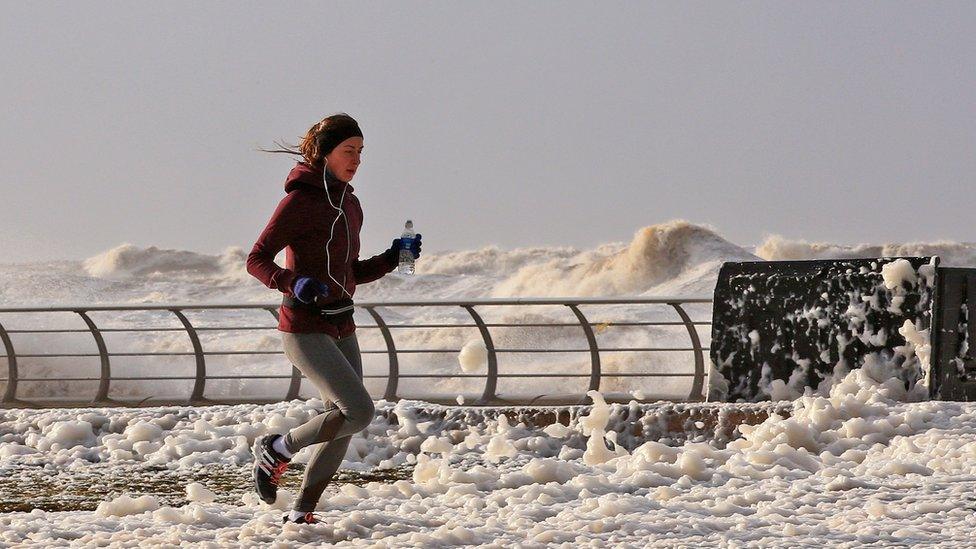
(599, 449)
(473, 356)
(898, 273)
(435, 444)
(127, 505)
(143, 431)
(544, 470)
(598, 416)
(62, 435)
(199, 493)
(500, 446)
(557, 430)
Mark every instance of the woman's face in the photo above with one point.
(344, 160)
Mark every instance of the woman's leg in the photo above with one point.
(324, 364)
(335, 368)
(328, 456)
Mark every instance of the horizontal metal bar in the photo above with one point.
(541, 301)
(74, 355)
(153, 378)
(535, 325)
(649, 374)
(227, 328)
(199, 329)
(64, 331)
(370, 376)
(156, 378)
(208, 353)
(417, 303)
(405, 351)
(59, 379)
(646, 349)
(417, 326)
(611, 349)
(662, 323)
(624, 374)
(190, 378)
(364, 351)
(77, 355)
(283, 376)
(208, 328)
(174, 353)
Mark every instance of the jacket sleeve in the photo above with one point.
(286, 225)
(374, 268)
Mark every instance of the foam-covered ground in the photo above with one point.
(859, 466)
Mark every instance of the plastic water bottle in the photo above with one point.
(406, 256)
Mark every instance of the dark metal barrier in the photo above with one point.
(793, 321)
(953, 374)
(200, 378)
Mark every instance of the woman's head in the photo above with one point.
(335, 143)
(325, 136)
(344, 159)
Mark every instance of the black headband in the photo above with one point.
(330, 139)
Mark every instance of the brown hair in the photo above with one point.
(319, 140)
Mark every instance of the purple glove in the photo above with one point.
(414, 246)
(307, 288)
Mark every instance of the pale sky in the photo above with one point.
(507, 123)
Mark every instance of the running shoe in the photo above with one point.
(269, 465)
(307, 518)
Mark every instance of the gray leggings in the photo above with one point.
(335, 368)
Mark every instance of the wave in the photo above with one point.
(675, 258)
(127, 262)
(659, 258)
(778, 248)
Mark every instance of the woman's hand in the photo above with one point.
(307, 288)
(414, 247)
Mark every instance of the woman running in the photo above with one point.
(318, 224)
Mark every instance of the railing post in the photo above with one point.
(394, 376)
(595, 372)
(105, 375)
(295, 385)
(200, 380)
(698, 384)
(10, 394)
(491, 382)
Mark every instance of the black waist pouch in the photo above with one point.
(337, 312)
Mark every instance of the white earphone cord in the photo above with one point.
(328, 257)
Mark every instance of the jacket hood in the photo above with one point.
(310, 176)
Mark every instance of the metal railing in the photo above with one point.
(491, 376)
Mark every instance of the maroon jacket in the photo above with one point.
(301, 224)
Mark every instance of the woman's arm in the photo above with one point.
(374, 268)
(286, 225)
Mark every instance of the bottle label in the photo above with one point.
(406, 242)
